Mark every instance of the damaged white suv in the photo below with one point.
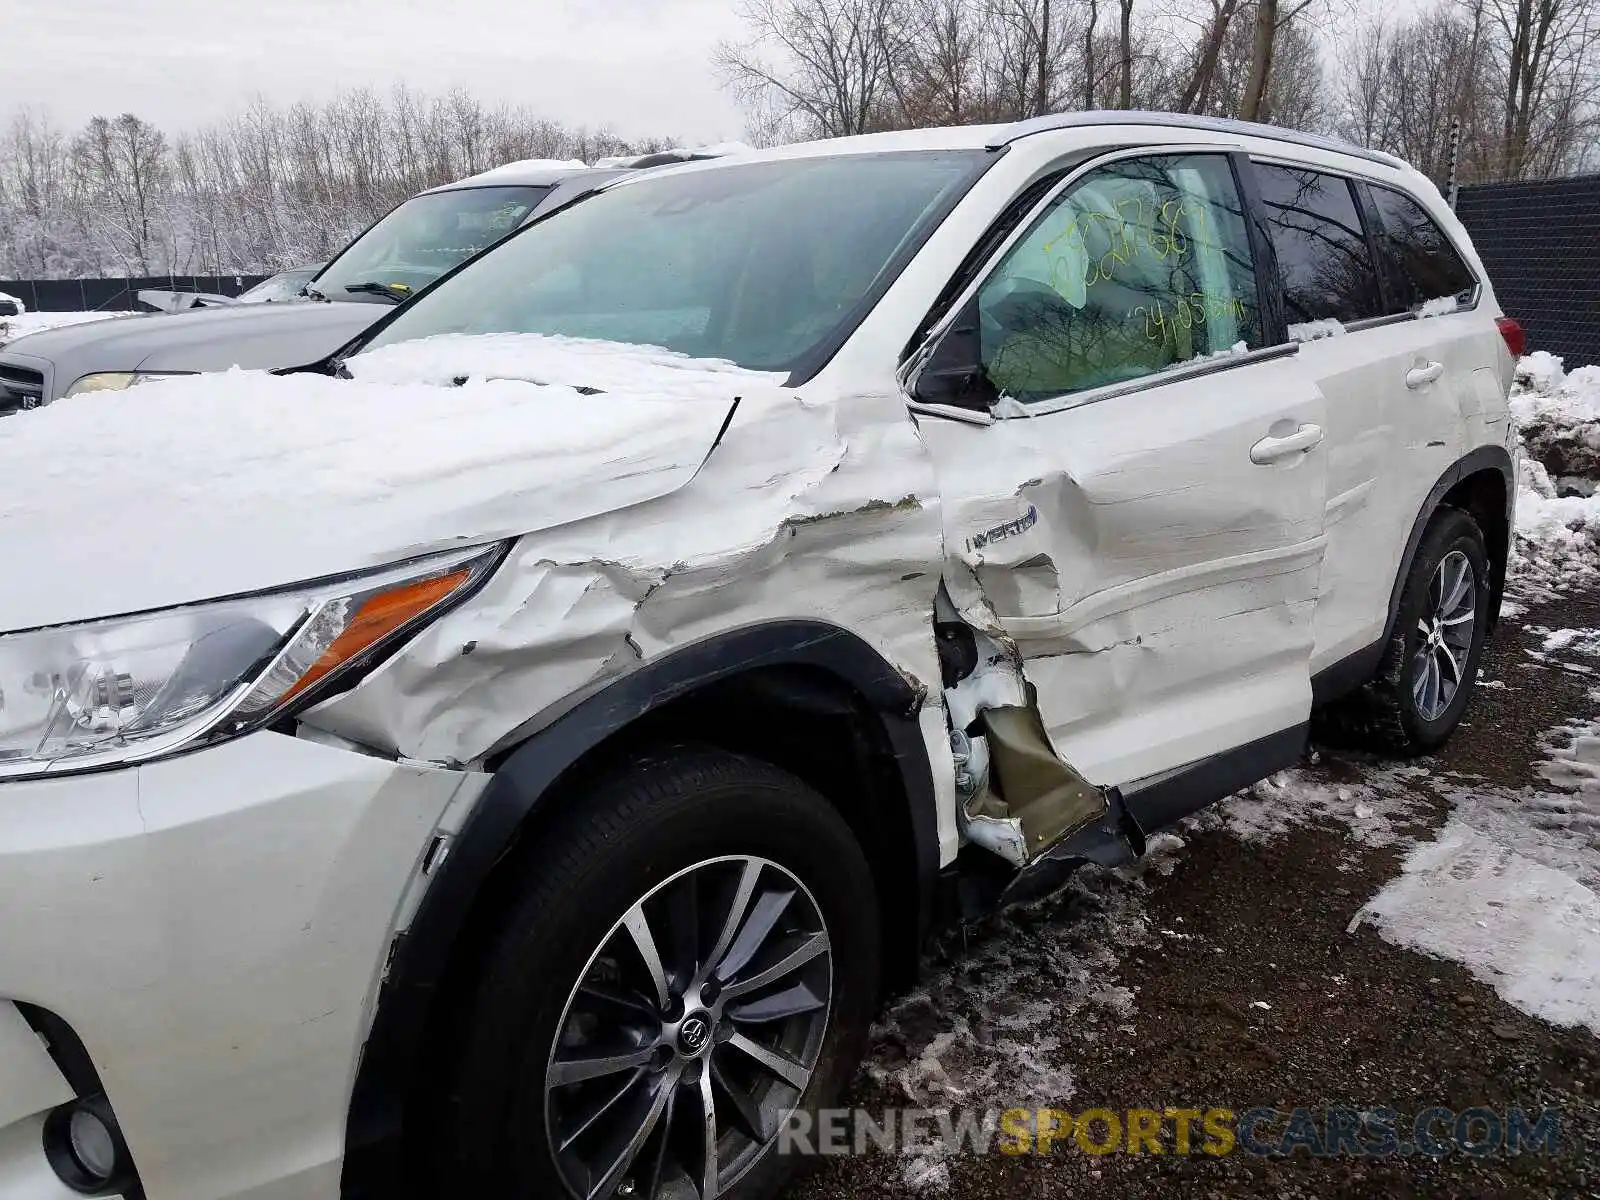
(516, 761)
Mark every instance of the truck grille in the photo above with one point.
(20, 387)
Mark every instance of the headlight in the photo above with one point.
(74, 697)
(116, 381)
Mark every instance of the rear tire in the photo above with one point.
(675, 842)
(1425, 678)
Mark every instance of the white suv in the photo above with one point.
(517, 761)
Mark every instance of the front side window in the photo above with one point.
(422, 239)
(759, 263)
(1422, 266)
(1322, 252)
(1142, 265)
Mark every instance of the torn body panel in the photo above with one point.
(1017, 797)
(811, 507)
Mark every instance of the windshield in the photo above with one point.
(285, 286)
(423, 238)
(760, 263)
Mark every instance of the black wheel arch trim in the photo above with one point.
(1350, 673)
(375, 1158)
(1484, 458)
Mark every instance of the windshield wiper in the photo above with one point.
(314, 292)
(392, 291)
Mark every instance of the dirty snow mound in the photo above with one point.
(1557, 541)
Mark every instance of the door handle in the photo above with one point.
(1424, 375)
(1272, 449)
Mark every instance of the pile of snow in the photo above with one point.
(14, 302)
(11, 328)
(1310, 331)
(1545, 391)
(1558, 416)
(1558, 537)
(228, 437)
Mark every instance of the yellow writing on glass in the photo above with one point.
(1101, 242)
(1184, 312)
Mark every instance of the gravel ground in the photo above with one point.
(1225, 973)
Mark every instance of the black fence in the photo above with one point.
(116, 295)
(1541, 244)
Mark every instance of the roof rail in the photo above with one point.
(1070, 120)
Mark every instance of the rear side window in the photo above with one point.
(1322, 251)
(1421, 265)
(1144, 264)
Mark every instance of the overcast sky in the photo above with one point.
(639, 66)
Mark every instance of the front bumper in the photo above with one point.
(213, 927)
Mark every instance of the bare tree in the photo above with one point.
(1196, 96)
(1271, 19)
(823, 68)
(265, 189)
(1125, 57)
(1407, 82)
(1546, 51)
(123, 161)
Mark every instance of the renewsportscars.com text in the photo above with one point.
(1327, 1132)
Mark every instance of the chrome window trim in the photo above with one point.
(1193, 369)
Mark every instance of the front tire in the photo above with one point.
(694, 956)
(1428, 668)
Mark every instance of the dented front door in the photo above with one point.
(1158, 583)
(1143, 525)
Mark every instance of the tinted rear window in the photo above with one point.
(1322, 251)
(1419, 261)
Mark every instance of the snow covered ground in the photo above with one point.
(12, 328)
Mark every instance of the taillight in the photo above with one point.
(1516, 339)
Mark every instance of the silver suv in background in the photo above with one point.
(406, 250)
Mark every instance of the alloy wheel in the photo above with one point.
(691, 1034)
(1438, 669)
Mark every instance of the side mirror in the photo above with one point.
(954, 373)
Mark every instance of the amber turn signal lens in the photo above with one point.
(376, 619)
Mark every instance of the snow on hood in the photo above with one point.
(577, 362)
(188, 489)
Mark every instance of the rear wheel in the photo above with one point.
(693, 959)
(1425, 678)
